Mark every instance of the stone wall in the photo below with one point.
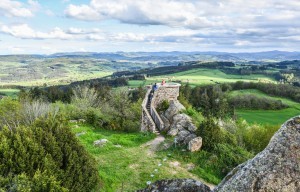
(169, 91)
(147, 123)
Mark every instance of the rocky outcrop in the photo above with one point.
(276, 168)
(177, 185)
(183, 129)
(174, 108)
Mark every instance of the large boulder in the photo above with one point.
(182, 135)
(177, 185)
(276, 168)
(195, 144)
(166, 123)
(100, 143)
(180, 122)
(174, 108)
(183, 128)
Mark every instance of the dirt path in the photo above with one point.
(153, 144)
(176, 167)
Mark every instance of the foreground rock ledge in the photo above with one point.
(276, 168)
(177, 185)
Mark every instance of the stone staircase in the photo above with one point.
(148, 107)
(151, 120)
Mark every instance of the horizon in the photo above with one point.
(115, 52)
(59, 26)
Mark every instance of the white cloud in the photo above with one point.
(189, 13)
(10, 8)
(73, 30)
(23, 31)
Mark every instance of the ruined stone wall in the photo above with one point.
(169, 91)
(147, 123)
(166, 92)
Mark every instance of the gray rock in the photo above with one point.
(181, 118)
(189, 138)
(195, 144)
(191, 127)
(174, 108)
(166, 123)
(100, 143)
(173, 131)
(181, 136)
(177, 185)
(276, 168)
(81, 133)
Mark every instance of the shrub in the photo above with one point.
(49, 147)
(211, 134)
(257, 137)
(163, 106)
(196, 116)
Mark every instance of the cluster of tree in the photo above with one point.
(64, 93)
(210, 100)
(251, 101)
(115, 109)
(285, 77)
(279, 90)
(174, 69)
(247, 70)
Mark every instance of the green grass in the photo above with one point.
(272, 117)
(129, 167)
(9, 92)
(202, 76)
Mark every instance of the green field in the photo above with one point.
(9, 92)
(201, 76)
(129, 166)
(273, 117)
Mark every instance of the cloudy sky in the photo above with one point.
(48, 26)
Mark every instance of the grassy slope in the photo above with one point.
(274, 117)
(202, 76)
(131, 165)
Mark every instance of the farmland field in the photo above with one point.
(202, 76)
(9, 92)
(274, 117)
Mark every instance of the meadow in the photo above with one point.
(201, 77)
(126, 162)
(272, 117)
(9, 92)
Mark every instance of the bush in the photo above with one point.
(46, 152)
(196, 116)
(211, 134)
(257, 137)
(163, 106)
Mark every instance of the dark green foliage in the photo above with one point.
(228, 157)
(211, 134)
(211, 101)
(163, 106)
(279, 90)
(137, 94)
(251, 101)
(39, 182)
(48, 153)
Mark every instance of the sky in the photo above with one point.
(50, 26)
